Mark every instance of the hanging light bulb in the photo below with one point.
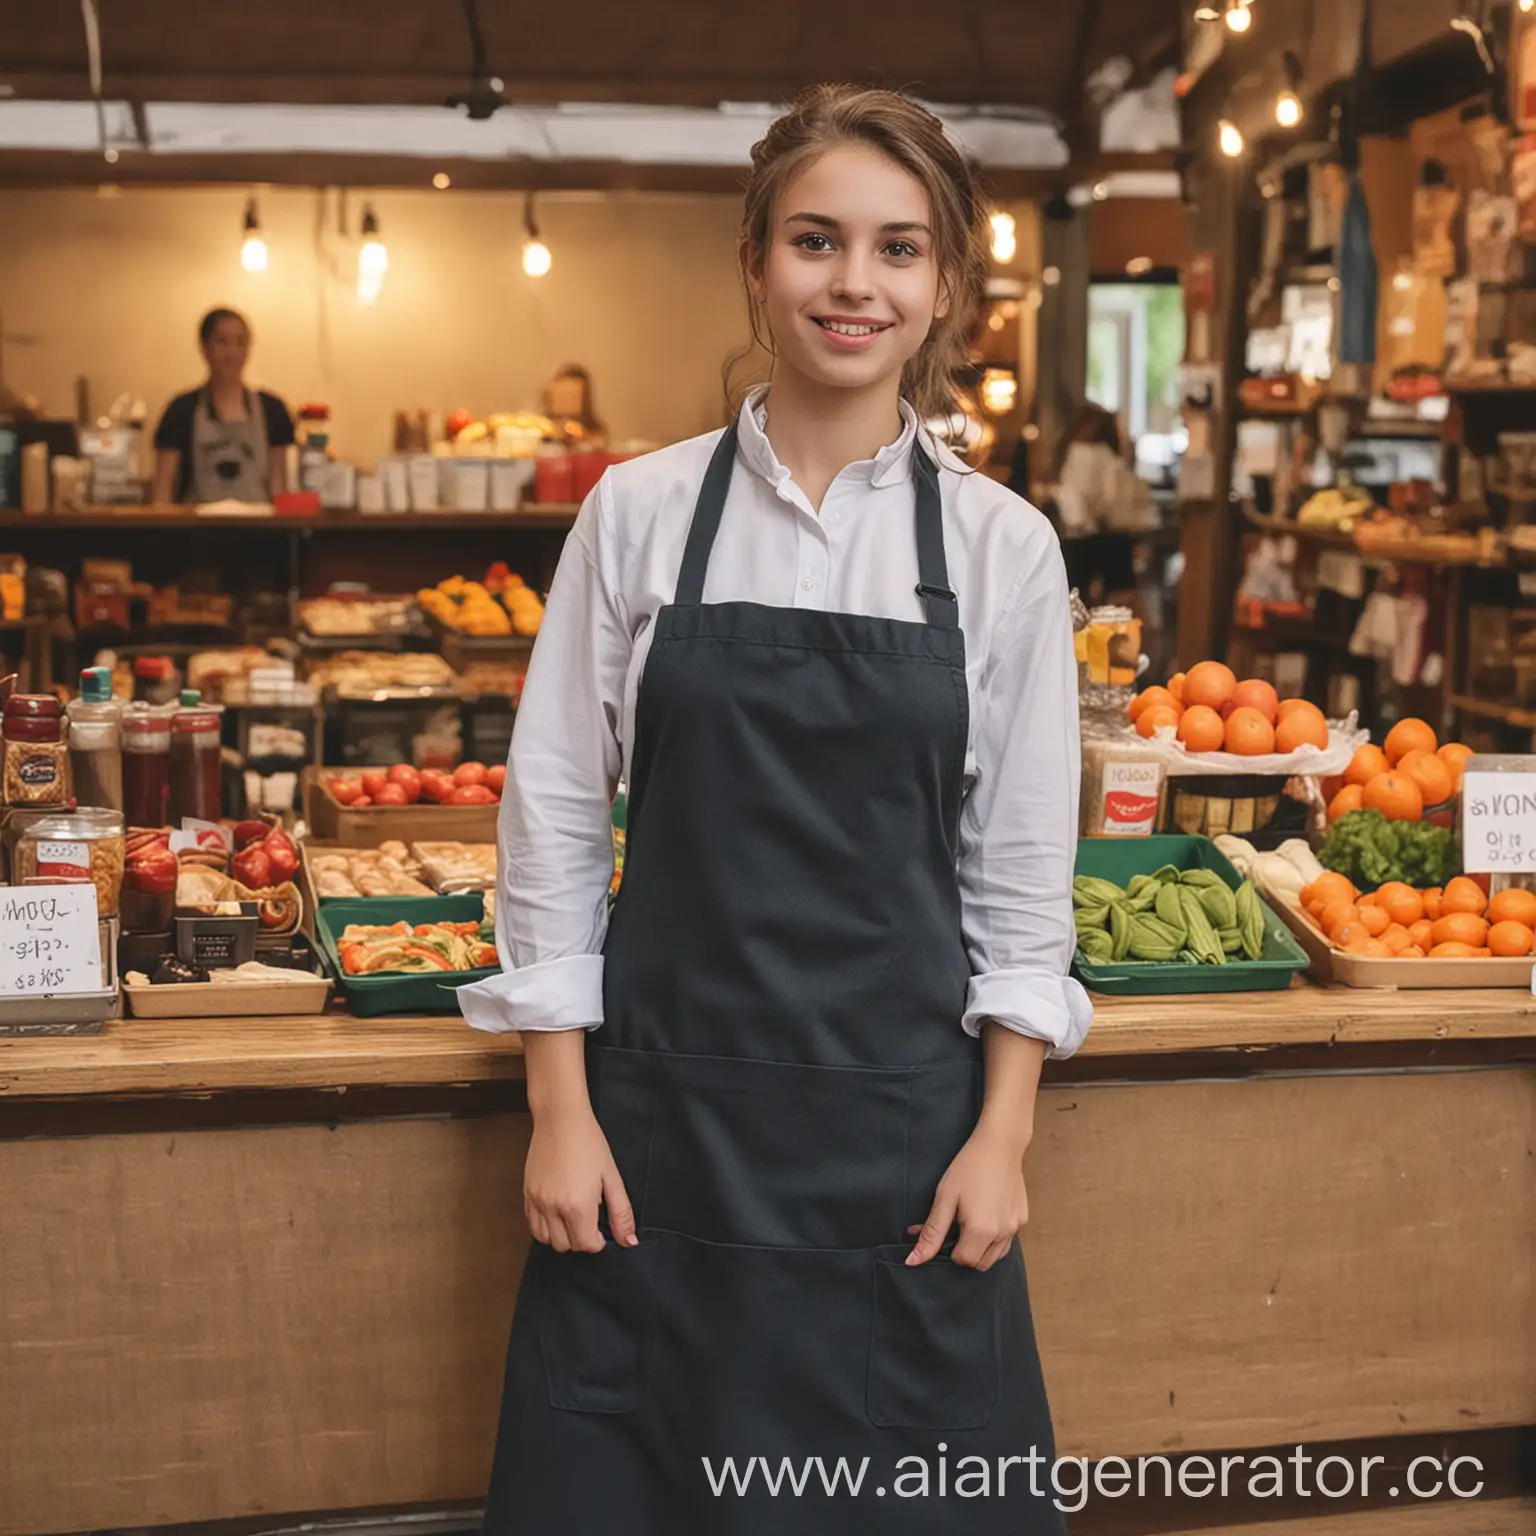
(253, 249)
(536, 256)
(1230, 139)
(1238, 16)
(1005, 242)
(1527, 6)
(372, 260)
(1288, 108)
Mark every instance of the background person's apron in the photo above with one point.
(783, 1079)
(229, 458)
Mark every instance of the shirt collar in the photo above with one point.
(891, 465)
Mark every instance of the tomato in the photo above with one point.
(373, 781)
(345, 791)
(469, 773)
(361, 803)
(408, 779)
(391, 794)
(495, 778)
(471, 794)
(435, 785)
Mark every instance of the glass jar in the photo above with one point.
(197, 759)
(36, 757)
(146, 765)
(75, 847)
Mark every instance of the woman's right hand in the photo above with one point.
(570, 1170)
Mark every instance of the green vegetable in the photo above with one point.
(1171, 911)
(1153, 939)
(1087, 891)
(1089, 919)
(1250, 920)
(1220, 905)
(1370, 850)
(1097, 946)
(1202, 937)
(1121, 929)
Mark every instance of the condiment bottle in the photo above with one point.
(197, 759)
(96, 741)
(146, 764)
(36, 759)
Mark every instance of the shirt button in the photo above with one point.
(808, 584)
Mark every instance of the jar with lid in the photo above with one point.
(75, 847)
(96, 741)
(36, 755)
(146, 764)
(154, 679)
(197, 759)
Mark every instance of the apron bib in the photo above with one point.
(783, 1079)
(229, 458)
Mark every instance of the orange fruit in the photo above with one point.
(1395, 937)
(1367, 762)
(1413, 952)
(1295, 706)
(1396, 796)
(1150, 696)
(1374, 921)
(1400, 902)
(1370, 899)
(1407, 736)
(1484, 953)
(1432, 895)
(1513, 905)
(1453, 952)
(1337, 910)
(1421, 933)
(1454, 755)
(1433, 777)
(1301, 728)
(1176, 686)
(1249, 732)
(1154, 717)
(1209, 683)
(1329, 886)
(1344, 935)
(1350, 798)
(1374, 948)
(1510, 938)
(1463, 895)
(1255, 693)
(1461, 928)
(1201, 730)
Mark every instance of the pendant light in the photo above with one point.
(253, 249)
(372, 260)
(1288, 108)
(1005, 242)
(1239, 17)
(536, 256)
(1230, 139)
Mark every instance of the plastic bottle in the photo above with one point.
(197, 759)
(146, 764)
(96, 742)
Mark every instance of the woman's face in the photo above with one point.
(850, 283)
(227, 349)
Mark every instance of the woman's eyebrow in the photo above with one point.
(826, 221)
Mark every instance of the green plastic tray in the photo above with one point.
(1120, 858)
(368, 996)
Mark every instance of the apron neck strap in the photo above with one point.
(939, 601)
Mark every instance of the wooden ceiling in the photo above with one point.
(672, 52)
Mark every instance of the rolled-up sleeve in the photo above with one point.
(1019, 823)
(555, 839)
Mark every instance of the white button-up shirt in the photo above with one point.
(576, 723)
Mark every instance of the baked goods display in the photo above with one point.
(375, 674)
(388, 870)
(500, 604)
(454, 868)
(334, 618)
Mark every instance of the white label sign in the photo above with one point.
(49, 940)
(1499, 822)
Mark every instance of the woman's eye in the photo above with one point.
(805, 241)
(902, 248)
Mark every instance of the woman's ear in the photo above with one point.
(941, 304)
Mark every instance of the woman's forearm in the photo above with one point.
(1013, 1065)
(555, 1061)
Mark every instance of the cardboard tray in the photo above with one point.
(1119, 859)
(369, 996)
(332, 822)
(1330, 964)
(228, 1000)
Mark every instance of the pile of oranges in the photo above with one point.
(1213, 712)
(1395, 921)
(1408, 775)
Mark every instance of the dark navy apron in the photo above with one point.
(783, 1079)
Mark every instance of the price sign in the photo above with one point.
(49, 940)
(1499, 822)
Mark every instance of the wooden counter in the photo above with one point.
(258, 1267)
(142, 1056)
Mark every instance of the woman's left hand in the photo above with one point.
(983, 1189)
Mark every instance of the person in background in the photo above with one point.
(568, 403)
(221, 441)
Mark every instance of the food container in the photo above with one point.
(1208, 805)
(217, 940)
(369, 996)
(1109, 649)
(146, 764)
(196, 760)
(36, 755)
(366, 827)
(259, 998)
(69, 1013)
(421, 469)
(1119, 859)
(1123, 787)
(510, 479)
(370, 495)
(554, 478)
(469, 484)
(397, 484)
(78, 846)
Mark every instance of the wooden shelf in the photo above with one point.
(1487, 709)
(1334, 538)
(541, 516)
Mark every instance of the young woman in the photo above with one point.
(220, 442)
(780, 1102)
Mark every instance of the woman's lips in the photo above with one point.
(852, 335)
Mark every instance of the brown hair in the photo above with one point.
(827, 116)
(1091, 424)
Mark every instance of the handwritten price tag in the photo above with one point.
(49, 940)
(1499, 822)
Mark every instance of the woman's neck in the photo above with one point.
(816, 433)
(228, 396)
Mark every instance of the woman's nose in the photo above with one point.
(854, 276)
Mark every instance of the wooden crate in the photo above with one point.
(332, 822)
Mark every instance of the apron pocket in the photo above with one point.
(598, 1327)
(935, 1349)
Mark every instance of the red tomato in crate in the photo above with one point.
(436, 785)
(373, 781)
(495, 778)
(391, 794)
(471, 794)
(361, 803)
(408, 779)
(469, 773)
(345, 791)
